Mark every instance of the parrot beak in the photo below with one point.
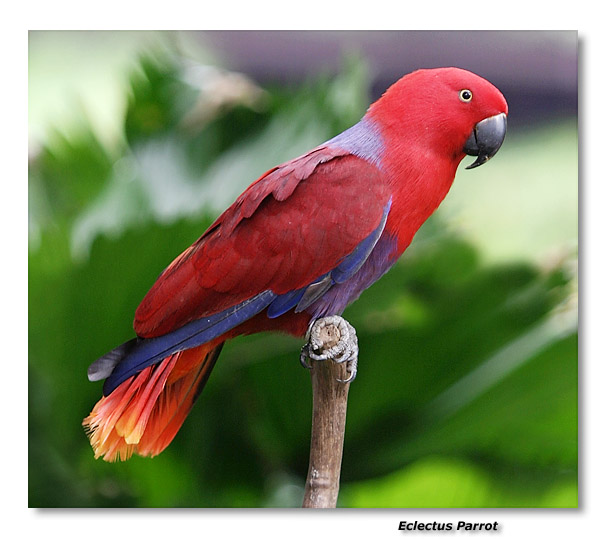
(486, 139)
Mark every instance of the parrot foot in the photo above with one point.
(333, 338)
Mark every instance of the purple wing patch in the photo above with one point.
(363, 140)
(382, 257)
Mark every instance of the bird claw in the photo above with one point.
(304, 356)
(333, 338)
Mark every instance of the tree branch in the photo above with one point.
(328, 426)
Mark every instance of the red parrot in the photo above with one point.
(301, 243)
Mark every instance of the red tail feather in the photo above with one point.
(145, 412)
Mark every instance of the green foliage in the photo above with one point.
(467, 389)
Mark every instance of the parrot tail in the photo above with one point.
(143, 414)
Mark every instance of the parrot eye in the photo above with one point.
(465, 95)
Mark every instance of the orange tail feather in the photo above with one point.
(144, 413)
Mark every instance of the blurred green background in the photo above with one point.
(467, 388)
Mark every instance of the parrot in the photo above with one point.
(300, 244)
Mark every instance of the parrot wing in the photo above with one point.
(288, 230)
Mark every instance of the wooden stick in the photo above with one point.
(327, 428)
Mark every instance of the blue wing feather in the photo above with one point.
(146, 352)
(284, 303)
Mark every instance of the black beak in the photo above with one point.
(486, 139)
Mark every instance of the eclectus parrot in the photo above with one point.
(301, 243)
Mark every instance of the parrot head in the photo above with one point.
(453, 113)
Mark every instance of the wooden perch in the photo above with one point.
(328, 426)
